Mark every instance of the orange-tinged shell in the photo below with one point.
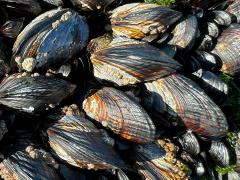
(158, 161)
(177, 97)
(125, 117)
(228, 49)
(138, 20)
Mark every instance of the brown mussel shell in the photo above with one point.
(177, 97)
(33, 94)
(185, 33)
(158, 161)
(228, 50)
(139, 20)
(125, 62)
(125, 117)
(78, 142)
(41, 45)
(28, 163)
(234, 8)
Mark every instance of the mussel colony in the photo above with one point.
(120, 89)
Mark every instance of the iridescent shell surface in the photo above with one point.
(185, 33)
(126, 62)
(33, 94)
(228, 49)
(78, 142)
(138, 20)
(41, 45)
(177, 97)
(125, 117)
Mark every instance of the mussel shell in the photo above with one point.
(40, 44)
(219, 153)
(231, 175)
(212, 29)
(138, 20)
(207, 60)
(25, 7)
(177, 97)
(78, 142)
(92, 5)
(22, 165)
(206, 43)
(125, 117)
(153, 162)
(234, 8)
(212, 84)
(227, 48)
(190, 143)
(222, 18)
(194, 162)
(126, 62)
(185, 33)
(33, 94)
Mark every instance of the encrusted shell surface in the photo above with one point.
(177, 97)
(78, 142)
(158, 161)
(29, 163)
(41, 45)
(138, 20)
(125, 117)
(33, 94)
(126, 62)
(228, 49)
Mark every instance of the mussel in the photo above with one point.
(222, 18)
(50, 40)
(140, 20)
(78, 142)
(125, 117)
(227, 48)
(158, 161)
(190, 143)
(177, 97)
(4, 63)
(234, 9)
(28, 162)
(185, 33)
(212, 29)
(124, 62)
(211, 84)
(33, 94)
(219, 153)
